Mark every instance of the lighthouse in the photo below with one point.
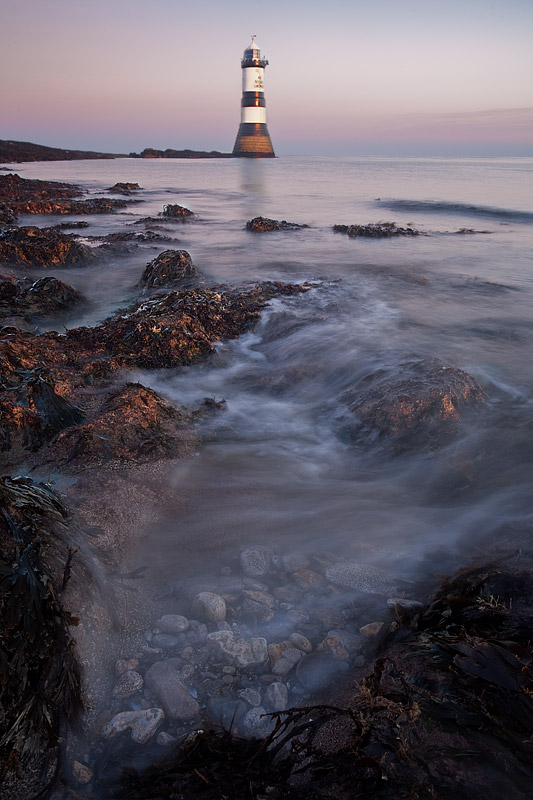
(253, 139)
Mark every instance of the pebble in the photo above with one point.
(283, 666)
(294, 561)
(307, 579)
(334, 646)
(252, 696)
(164, 739)
(297, 616)
(277, 696)
(228, 679)
(81, 773)
(256, 724)
(360, 576)
(404, 608)
(301, 642)
(172, 623)
(258, 605)
(241, 652)
(125, 664)
(372, 629)
(255, 561)
(128, 684)
(164, 680)
(164, 640)
(209, 607)
(141, 724)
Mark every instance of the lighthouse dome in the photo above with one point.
(253, 51)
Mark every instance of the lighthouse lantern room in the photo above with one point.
(253, 139)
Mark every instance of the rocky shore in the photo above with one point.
(279, 674)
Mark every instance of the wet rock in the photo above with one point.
(264, 225)
(174, 211)
(41, 247)
(164, 739)
(363, 577)
(209, 607)
(81, 773)
(277, 696)
(165, 640)
(124, 188)
(404, 609)
(241, 652)
(172, 623)
(297, 616)
(283, 666)
(334, 646)
(48, 296)
(421, 410)
(318, 670)
(257, 606)
(125, 664)
(256, 560)
(371, 629)
(23, 196)
(301, 642)
(256, 723)
(381, 230)
(128, 684)
(251, 696)
(307, 579)
(141, 724)
(294, 561)
(170, 267)
(165, 683)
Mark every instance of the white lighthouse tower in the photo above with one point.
(253, 140)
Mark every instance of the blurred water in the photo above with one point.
(276, 465)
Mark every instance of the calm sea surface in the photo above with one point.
(276, 465)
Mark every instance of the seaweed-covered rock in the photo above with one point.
(174, 211)
(124, 188)
(41, 247)
(50, 296)
(379, 230)
(170, 266)
(264, 225)
(421, 409)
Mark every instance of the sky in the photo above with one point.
(391, 77)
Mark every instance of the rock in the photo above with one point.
(81, 773)
(164, 739)
(334, 646)
(125, 664)
(165, 683)
(404, 609)
(172, 623)
(307, 579)
(128, 684)
(364, 578)
(209, 607)
(379, 230)
(372, 629)
(255, 723)
(277, 696)
(174, 211)
(421, 410)
(170, 267)
(256, 560)
(301, 642)
(297, 616)
(43, 297)
(165, 640)
(41, 247)
(251, 696)
(318, 670)
(241, 652)
(294, 561)
(257, 606)
(141, 724)
(283, 666)
(264, 225)
(124, 188)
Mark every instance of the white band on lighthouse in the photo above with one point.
(252, 114)
(253, 79)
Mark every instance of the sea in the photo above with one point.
(278, 466)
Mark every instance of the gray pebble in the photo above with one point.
(173, 623)
(301, 642)
(255, 561)
(277, 696)
(209, 607)
(252, 696)
(128, 684)
(164, 640)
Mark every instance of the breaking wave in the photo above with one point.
(446, 206)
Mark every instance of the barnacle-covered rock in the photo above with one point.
(170, 267)
(264, 225)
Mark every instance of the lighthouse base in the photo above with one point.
(253, 141)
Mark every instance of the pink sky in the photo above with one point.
(392, 78)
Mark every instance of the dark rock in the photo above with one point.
(256, 560)
(24, 196)
(319, 670)
(41, 247)
(49, 296)
(174, 211)
(170, 267)
(264, 225)
(381, 230)
(226, 712)
(257, 606)
(124, 188)
(422, 409)
(165, 683)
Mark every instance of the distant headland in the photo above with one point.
(11, 152)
